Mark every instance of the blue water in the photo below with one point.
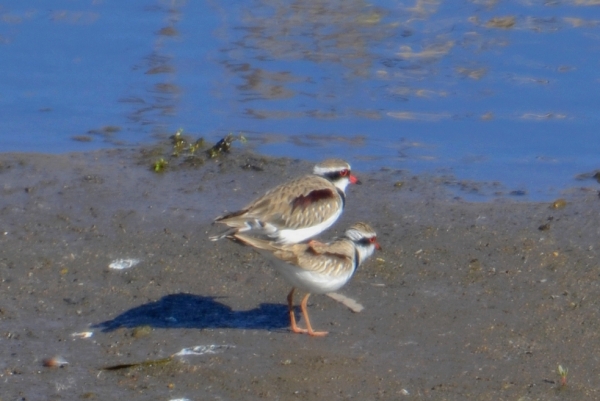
(420, 85)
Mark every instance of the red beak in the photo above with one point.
(354, 180)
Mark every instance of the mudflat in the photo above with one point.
(466, 301)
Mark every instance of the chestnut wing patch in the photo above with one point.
(304, 201)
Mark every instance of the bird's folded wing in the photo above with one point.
(303, 202)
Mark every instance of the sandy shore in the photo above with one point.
(467, 301)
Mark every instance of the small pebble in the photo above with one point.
(55, 362)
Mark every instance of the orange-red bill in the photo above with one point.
(354, 180)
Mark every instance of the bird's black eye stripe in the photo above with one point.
(364, 241)
(334, 175)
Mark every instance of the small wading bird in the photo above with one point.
(297, 210)
(316, 267)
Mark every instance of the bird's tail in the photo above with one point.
(254, 242)
(228, 233)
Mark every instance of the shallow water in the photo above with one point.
(482, 90)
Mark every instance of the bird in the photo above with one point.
(316, 267)
(297, 210)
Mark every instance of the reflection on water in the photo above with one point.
(485, 90)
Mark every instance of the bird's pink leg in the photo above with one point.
(293, 325)
(310, 330)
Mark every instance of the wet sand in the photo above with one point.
(477, 301)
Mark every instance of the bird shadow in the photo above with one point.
(198, 312)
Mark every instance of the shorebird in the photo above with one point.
(297, 210)
(316, 267)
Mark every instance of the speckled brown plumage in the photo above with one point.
(317, 267)
(298, 209)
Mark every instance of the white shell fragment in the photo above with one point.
(203, 349)
(83, 334)
(120, 264)
(348, 302)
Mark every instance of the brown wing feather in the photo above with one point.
(316, 256)
(336, 255)
(303, 202)
(255, 242)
